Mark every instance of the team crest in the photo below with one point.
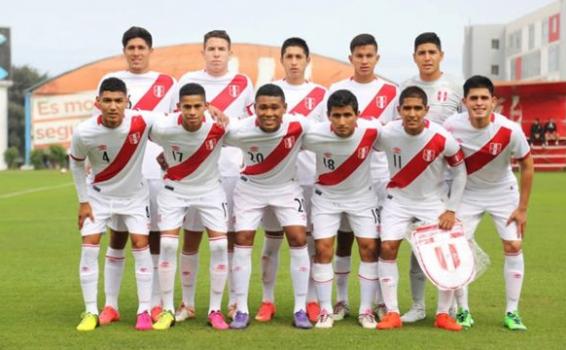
(158, 91)
(309, 103)
(288, 142)
(442, 96)
(233, 90)
(363, 152)
(102, 148)
(134, 138)
(209, 144)
(495, 148)
(381, 101)
(429, 155)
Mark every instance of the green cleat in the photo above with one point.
(464, 318)
(88, 323)
(166, 320)
(513, 322)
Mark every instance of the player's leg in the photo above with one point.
(342, 268)
(313, 308)
(155, 186)
(88, 274)
(229, 184)
(189, 264)
(443, 319)
(114, 263)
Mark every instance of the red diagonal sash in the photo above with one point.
(155, 93)
(230, 93)
(419, 163)
(489, 151)
(379, 102)
(352, 163)
(186, 168)
(279, 153)
(131, 143)
(307, 104)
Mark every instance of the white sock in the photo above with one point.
(241, 271)
(311, 293)
(270, 265)
(513, 271)
(323, 275)
(342, 267)
(88, 273)
(378, 294)
(167, 268)
(300, 272)
(188, 270)
(461, 296)
(218, 247)
(230, 281)
(113, 272)
(367, 273)
(389, 278)
(155, 289)
(418, 283)
(445, 298)
(144, 276)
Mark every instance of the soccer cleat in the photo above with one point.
(390, 320)
(241, 320)
(108, 315)
(216, 320)
(444, 321)
(313, 310)
(301, 321)
(184, 313)
(367, 320)
(143, 322)
(165, 320)
(380, 311)
(266, 312)
(155, 313)
(464, 318)
(89, 322)
(513, 322)
(325, 320)
(416, 313)
(232, 308)
(341, 311)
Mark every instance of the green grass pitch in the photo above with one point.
(41, 298)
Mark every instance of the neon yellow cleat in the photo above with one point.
(88, 323)
(165, 321)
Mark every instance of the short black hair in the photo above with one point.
(342, 98)
(192, 89)
(137, 32)
(413, 91)
(428, 38)
(478, 81)
(295, 41)
(270, 90)
(114, 85)
(362, 40)
(221, 34)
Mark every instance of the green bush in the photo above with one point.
(12, 157)
(38, 158)
(57, 156)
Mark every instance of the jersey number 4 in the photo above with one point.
(105, 157)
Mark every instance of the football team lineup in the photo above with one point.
(365, 161)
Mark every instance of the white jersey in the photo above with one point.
(444, 95)
(417, 162)
(307, 100)
(115, 155)
(233, 94)
(489, 151)
(376, 100)
(342, 164)
(192, 156)
(269, 157)
(150, 91)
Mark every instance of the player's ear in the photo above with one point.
(441, 55)
(284, 107)
(377, 57)
(97, 102)
(308, 60)
(350, 58)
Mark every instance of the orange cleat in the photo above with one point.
(108, 315)
(313, 311)
(444, 321)
(155, 312)
(390, 320)
(266, 312)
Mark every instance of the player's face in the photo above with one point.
(479, 103)
(269, 111)
(137, 54)
(216, 55)
(428, 57)
(112, 105)
(413, 111)
(294, 62)
(343, 120)
(364, 58)
(192, 109)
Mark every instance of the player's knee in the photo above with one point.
(91, 239)
(389, 250)
(139, 241)
(245, 238)
(512, 247)
(368, 251)
(323, 253)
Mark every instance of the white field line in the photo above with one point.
(33, 190)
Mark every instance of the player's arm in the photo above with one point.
(218, 116)
(77, 158)
(455, 161)
(519, 215)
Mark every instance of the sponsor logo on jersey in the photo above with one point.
(254, 148)
(396, 150)
(495, 148)
(102, 148)
(429, 155)
(309, 103)
(288, 142)
(381, 101)
(363, 152)
(234, 90)
(209, 145)
(175, 148)
(327, 155)
(134, 138)
(158, 91)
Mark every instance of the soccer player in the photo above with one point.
(232, 94)
(114, 143)
(343, 148)
(191, 143)
(147, 91)
(418, 152)
(490, 141)
(444, 93)
(303, 98)
(376, 99)
(271, 141)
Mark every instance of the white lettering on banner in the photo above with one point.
(62, 106)
(54, 132)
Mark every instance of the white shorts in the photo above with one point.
(500, 205)
(211, 209)
(361, 214)
(399, 213)
(154, 185)
(132, 212)
(251, 202)
(380, 190)
(270, 223)
(193, 221)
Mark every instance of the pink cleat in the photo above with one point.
(143, 322)
(216, 320)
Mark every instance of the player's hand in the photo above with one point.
(85, 212)
(447, 220)
(162, 162)
(218, 115)
(519, 216)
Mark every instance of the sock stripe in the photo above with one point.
(90, 245)
(189, 253)
(243, 246)
(217, 238)
(140, 249)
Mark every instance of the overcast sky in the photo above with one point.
(58, 35)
